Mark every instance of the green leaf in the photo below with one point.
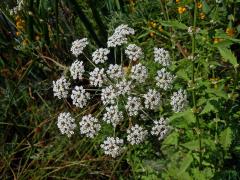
(171, 139)
(185, 163)
(208, 108)
(228, 55)
(226, 138)
(174, 24)
(183, 119)
(183, 74)
(191, 145)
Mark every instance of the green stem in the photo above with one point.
(193, 82)
(163, 10)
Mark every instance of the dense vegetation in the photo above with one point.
(203, 41)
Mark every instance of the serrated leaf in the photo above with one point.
(171, 139)
(174, 24)
(185, 163)
(228, 55)
(191, 145)
(226, 138)
(183, 119)
(208, 108)
(182, 74)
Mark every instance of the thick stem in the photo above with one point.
(193, 83)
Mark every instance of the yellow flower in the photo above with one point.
(152, 34)
(199, 5)
(230, 31)
(18, 33)
(37, 37)
(181, 10)
(202, 16)
(25, 42)
(160, 29)
(177, 1)
(216, 40)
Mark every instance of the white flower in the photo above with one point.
(139, 73)
(136, 134)
(61, 87)
(124, 87)
(112, 146)
(96, 77)
(133, 105)
(100, 55)
(113, 115)
(115, 71)
(89, 126)
(78, 46)
(179, 100)
(80, 96)
(77, 69)
(152, 99)
(160, 128)
(108, 95)
(116, 40)
(119, 36)
(133, 52)
(18, 8)
(66, 124)
(164, 79)
(219, 1)
(162, 56)
(191, 30)
(124, 30)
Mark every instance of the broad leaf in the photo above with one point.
(185, 163)
(226, 138)
(174, 24)
(228, 55)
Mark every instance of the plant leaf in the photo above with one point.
(228, 55)
(186, 162)
(174, 24)
(226, 138)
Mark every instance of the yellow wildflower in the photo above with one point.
(181, 10)
(230, 31)
(199, 5)
(202, 15)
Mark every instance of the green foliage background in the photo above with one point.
(204, 141)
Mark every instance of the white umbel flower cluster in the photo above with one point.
(160, 128)
(77, 70)
(119, 36)
(162, 56)
(136, 134)
(152, 99)
(18, 8)
(179, 100)
(66, 124)
(89, 126)
(164, 79)
(97, 77)
(112, 146)
(192, 30)
(133, 52)
(108, 95)
(61, 87)
(124, 87)
(100, 55)
(133, 105)
(80, 96)
(113, 115)
(139, 73)
(115, 71)
(78, 46)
